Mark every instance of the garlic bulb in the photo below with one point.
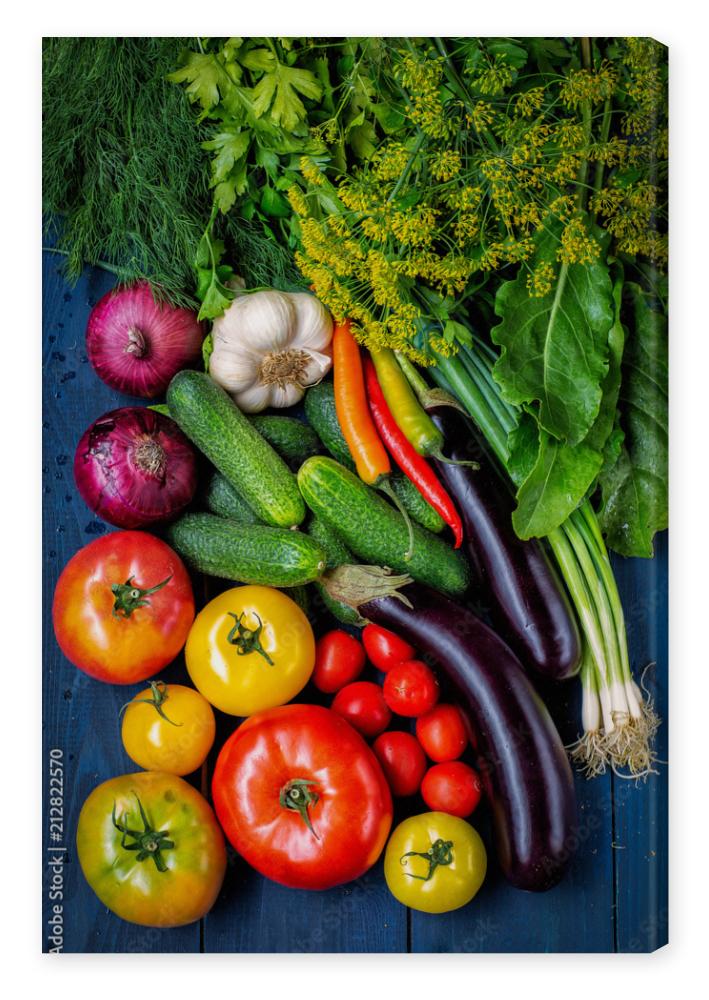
(268, 346)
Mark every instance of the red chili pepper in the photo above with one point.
(407, 458)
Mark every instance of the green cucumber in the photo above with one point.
(210, 418)
(374, 531)
(293, 440)
(415, 505)
(247, 553)
(220, 497)
(337, 555)
(321, 414)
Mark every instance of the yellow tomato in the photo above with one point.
(434, 862)
(168, 727)
(250, 649)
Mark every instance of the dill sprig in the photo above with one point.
(125, 180)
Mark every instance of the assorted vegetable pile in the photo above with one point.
(447, 255)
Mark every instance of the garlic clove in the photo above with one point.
(287, 395)
(254, 399)
(317, 367)
(313, 323)
(233, 372)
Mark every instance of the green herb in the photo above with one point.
(125, 182)
(634, 487)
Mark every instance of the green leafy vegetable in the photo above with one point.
(555, 347)
(634, 488)
(556, 485)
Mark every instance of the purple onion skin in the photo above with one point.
(136, 344)
(519, 753)
(134, 467)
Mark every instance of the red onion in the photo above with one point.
(134, 466)
(137, 344)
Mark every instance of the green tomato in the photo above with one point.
(434, 862)
(151, 849)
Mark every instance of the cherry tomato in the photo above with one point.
(363, 705)
(451, 788)
(403, 761)
(410, 688)
(442, 733)
(302, 797)
(123, 606)
(250, 648)
(434, 862)
(168, 728)
(151, 849)
(339, 659)
(385, 649)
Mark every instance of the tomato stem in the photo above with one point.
(159, 697)
(129, 596)
(149, 843)
(439, 853)
(297, 796)
(247, 640)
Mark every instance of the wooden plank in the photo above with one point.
(640, 813)
(574, 916)
(80, 714)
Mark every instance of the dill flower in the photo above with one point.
(577, 244)
(296, 200)
(311, 171)
(541, 280)
(530, 101)
(445, 164)
(482, 116)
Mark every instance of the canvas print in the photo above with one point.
(355, 494)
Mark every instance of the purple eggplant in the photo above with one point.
(528, 603)
(522, 762)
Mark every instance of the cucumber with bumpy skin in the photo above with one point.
(321, 414)
(374, 531)
(337, 555)
(293, 440)
(220, 497)
(274, 557)
(209, 418)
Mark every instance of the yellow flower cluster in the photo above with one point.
(481, 116)
(588, 86)
(389, 161)
(493, 78)
(529, 102)
(541, 280)
(577, 244)
(445, 164)
(422, 79)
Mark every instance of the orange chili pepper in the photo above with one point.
(355, 420)
(352, 409)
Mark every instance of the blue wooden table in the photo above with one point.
(613, 899)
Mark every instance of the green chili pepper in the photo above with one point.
(415, 424)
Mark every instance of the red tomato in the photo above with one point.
(339, 659)
(403, 761)
(363, 705)
(452, 788)
(302, 797)
(385, 649)
(410, 688)
(123, 606)
(442, 733)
